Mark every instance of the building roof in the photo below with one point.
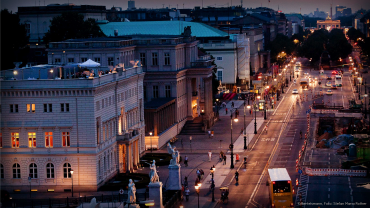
(279, 174)
(158, 103)
(160, 28)
(294, 15)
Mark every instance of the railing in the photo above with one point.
(201, 64)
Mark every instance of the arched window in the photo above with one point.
(16, 170)
(33, 170)
(67, 170)
(2, 170)
(50, 170)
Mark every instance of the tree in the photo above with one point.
(314, 45)
(354, 34)
(281, 44)
(14, 40)
(71, 25)
(338, 46)
(365, 48)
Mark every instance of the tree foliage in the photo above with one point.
(14, 40)
(338, 46)
(280, 44)
(71, 25)
(353, 34)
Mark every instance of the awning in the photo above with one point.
(89, 63)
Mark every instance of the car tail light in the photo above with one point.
(273, 205)
(273, 182)
(291, 204)
(288, 181)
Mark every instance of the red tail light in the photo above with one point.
(273, 182)
(288, 181)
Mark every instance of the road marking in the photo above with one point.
(272, 154)
(328, 189)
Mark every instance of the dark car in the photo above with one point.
(4, 196)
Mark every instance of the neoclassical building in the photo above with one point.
(53, 124)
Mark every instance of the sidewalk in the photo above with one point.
(237, 104)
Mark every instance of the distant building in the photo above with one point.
(165, 14)
(342, 11)
(320, 14)
(37, 18)
(328, 24)
(297, 20)
(365, 20)
(131, 5)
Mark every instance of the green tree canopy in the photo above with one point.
(338, 46)
(14, 40)
(71, 25)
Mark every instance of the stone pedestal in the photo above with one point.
(155, 193)
(174, 178)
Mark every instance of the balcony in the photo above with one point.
(201, 64)
(128, 136)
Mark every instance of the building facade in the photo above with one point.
(328, 24)
(55, 124)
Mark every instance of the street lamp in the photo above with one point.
(151, 142)
(231, 138)
(213, 183)
(197, 189)
(255, 118)
(72, 180)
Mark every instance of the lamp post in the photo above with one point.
(245, 131)
(365, 96)
(197, 189)
(213, 183)
(255, 118)
(231, 138)
(72, 180)
(151, 142)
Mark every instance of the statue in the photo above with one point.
(93, 203)
(153, 173)
(175, 154)
(131, 192)
(187, 31)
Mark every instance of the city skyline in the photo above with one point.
(286, 6)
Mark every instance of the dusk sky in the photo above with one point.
(286, 6)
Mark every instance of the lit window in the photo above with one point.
(50, 170)
(31, 108)
(32, 139)
(33, 170)
(67, 170)
(16, 171)
(49, 139)
(15, 140)
(65, 139)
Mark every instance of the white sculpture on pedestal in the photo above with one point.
(153, 173)
(175, 154)
(131, 192)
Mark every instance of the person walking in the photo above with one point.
(186, 184)
(198, 174)
(221, 157)
(186, 161)
(232, 104)
(209, 156)
(209, 134)
(226, 110)
(187, 192)
(224, 159)
(212, 133)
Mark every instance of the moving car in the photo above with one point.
(328, 84)
(329, 92)
(334, 87)
(295, 91)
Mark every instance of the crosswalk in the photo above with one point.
(302, 191)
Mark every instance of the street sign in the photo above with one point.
(121, 191)
(300, 171)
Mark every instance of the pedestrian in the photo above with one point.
(197, 180)
(190, 138)
(209, 134)
(224, 159)
(212, 133)
(221, 158)
(226, 110)
(182, 192)
(186, 161)
(186, 182)
(232, 104)
(198, 174)
(209, 156)
(187, 192)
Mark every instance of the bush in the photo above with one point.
(141, 180)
